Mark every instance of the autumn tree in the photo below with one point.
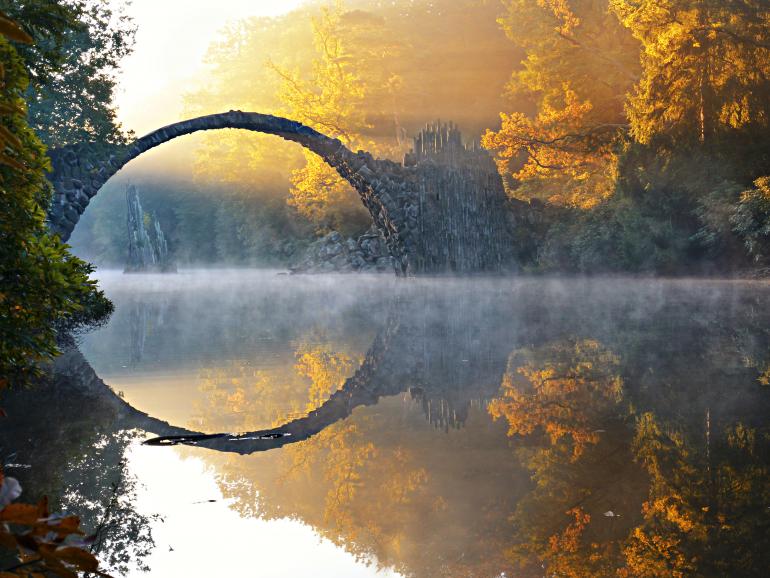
(238, 78)
(326, 369)
(704, 510)
(330, 67)
(355, 491)
(579, 64)
(549, 391)
(351, 62)
(705, 65)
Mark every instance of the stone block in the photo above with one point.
(71, 214)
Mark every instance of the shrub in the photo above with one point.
(751, 219)
(42, 285)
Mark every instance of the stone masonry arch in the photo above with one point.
(77, 178)
(437, 215)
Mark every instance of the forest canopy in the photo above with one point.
(636, 128)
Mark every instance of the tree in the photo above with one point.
(41, 284)
(560, 383)
(750, 219)
(579, 64)
(704, 513)
(409, 76)
(326, 369)
(47, 543)
(78, 45)
(563, 403)
(705, 67)
(348, 66)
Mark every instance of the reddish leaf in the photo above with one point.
(66, 525)
(54, 564)
(79, 558)
(26, 514)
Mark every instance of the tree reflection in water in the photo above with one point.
(673, 480)
(60, 441)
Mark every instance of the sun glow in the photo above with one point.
(172, 38)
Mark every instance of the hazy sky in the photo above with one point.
(171, 41)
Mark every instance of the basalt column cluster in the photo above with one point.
(448, 205)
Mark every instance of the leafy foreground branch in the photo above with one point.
(43, 288)
(45, 543)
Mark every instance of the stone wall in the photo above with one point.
(334, 253)
(449, 206)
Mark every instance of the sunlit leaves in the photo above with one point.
(361, 494)
(559, 401)
(326, 369)
(331, 99)
(320, 195)
(564, 162)
(705, 66)
(579, 64)
(555, 391)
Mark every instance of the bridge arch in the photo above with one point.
(80, 171)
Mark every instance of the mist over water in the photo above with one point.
(463, 426)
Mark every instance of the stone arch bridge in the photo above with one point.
(443, 210)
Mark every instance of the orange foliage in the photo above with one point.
(561, 383)
(579, 64)
(46, 543)
(559, 160)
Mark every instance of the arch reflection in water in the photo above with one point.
(511, 426)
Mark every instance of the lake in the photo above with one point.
(440, 427)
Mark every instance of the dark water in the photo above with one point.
(450, 428)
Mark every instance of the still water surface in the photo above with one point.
(458, 428)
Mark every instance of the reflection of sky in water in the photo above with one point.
(169, 333)
(201, 538)
(592, 382)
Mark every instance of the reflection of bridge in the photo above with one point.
(446, 361)
(452, 348)
(435, 218)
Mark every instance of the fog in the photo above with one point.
(201, 318)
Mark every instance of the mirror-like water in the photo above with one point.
(439, 428)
